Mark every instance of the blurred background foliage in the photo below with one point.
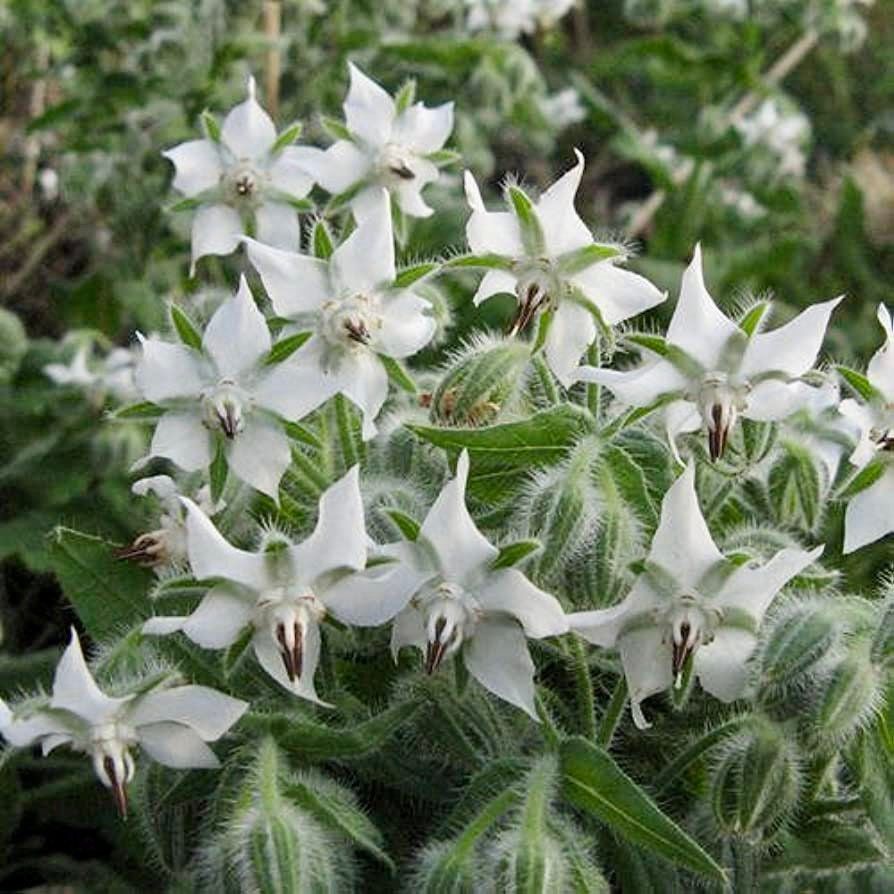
(762, 128)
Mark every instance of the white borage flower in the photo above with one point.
(283, 591)
(545, 254)
(512, 18)
(783, 132)
(240, 174)
(357, 315)
(224, 394)
(870, 513)
(689, 603)
(384, 145)
(170, 723)
(710, 371)
(461, 604)
(111, 375)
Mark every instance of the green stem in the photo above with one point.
(594, 390)
(612, 716)
(550, 733)
(584, 684)
(351, 450)
(744, 867)
(547, 382)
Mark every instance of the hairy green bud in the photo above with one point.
(13, 345)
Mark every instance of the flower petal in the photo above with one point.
(422, 129)
(509, 591)
(495, 232)
(175, 745)
(646, 658)
(497, 657)
(369, 110)
(22, 733)
(408, 629)
(277, 225)
(197, 166)
(571, 333)
(339, 538)
(862, 419)
(180, 437)
(270, 659)
(407, 325)
(338, 168)
(698, 326)
(372, 597)
(298, 385)
(219, 618)
(881, 368)
(209, 712)
(167, 371)
(721, 665)
(290, 172)
(407, 197)
(772, 400)
(365, 260)
(562, 227)
(363, 379)
(236, 337)
(494, 282)
(869, 514)
(216, 230)
(295, 283)
(619, 294)
(791, 349)
(640, 386)
(603, 626)
(260, 455)
(460, 547)
(248, 132)
(75, 690)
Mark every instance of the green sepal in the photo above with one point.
(336, 129)
(217, 472)
(410, 275)
(752, 319)
(285, 347)
(513, 553)
(543, 326)
(398, 374)
(444, 157)
(407, 525)
(528, 222)
(210, 125)
(406, 96)
(143, 410)
(865, 478)
(287, 137)
(185, 328)
(485, 261)
(187, 204)
(580, 259)
(321, 240)
(860, 384)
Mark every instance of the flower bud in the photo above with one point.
(849, 696)
(13, 345)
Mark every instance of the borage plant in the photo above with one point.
(318, 499)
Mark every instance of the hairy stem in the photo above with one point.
(612, 716)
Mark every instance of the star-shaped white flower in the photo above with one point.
(223, 394)
(689, 602)
(356, 313)
(282, 591)
(711, 372)
(461, 605)
(244, 174)
(512, 18)
(170, 723)
(545, 254)
(385, 147)
(870, 513)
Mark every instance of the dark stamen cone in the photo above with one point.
(717, 434)
(681, 651)
(402, 171)
(434, 653)
(138, 551)
(228, 423)
(118, 792)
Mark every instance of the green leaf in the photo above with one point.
(186, 330)
(321, 240)
(529, 224)
(860, 384)
(657, 344)
(409, 275)
(406, 96)
(143, 410)
(302, 434)
(580, 259)
(335, 128)
(285, 347)
(211, 126)
(188, 204)
(865, 478)
(107, 593)
(218, 472)
(444, 157)
(485, 261)
(409, 527)
(752, 319)
(287, 137)
(795, 486)
(513, 553)
(398, 374)
(824, 845)
(593, 782)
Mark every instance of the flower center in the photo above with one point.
(112, 761)
(393, 165)
(288, 613)
(243, 183)
(689, 623)
(720, 401)
(224, 408)
(350, 323)
(450, 618)
(536, 288)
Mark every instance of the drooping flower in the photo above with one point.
(356, 313)
(870, 513)
(710, 371)
(242, 179)
(462, 605)
(283, 591)
(545, 254)
(385, 146)
(223, 395)
(170, 723)
(690, 603)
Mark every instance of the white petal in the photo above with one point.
(295, 283)
(422, 129)
(602, 627)
(365, 260)
(247, 130)
(647, 667)
(339, 538)
(372, 597)
(619, 294)
(277, 225)
(509, 591)
(175, 745)
(219, 618)
(571, 333)
(260, 454)
(862, 418)
(209, 712)
(75, 690)
(680, 417)
(721, 665)
(773, 400)
(163, 486)
(494, 282)
(290, 173)
(29, 730)
(181, 438)
(168, 371)
(363, 380)
(682, 545)
(408, 197)
(236, 337)
(216, 230)
(270, 659)
(792, 348)
(164, 625)
(407, 326)
(698, 326)
(870, 514)
(491, 232)
(197, 166)
(640, 386)
(338, 168)
(562, 228)
(211, 555)
(753, 589)
(298, 385)
(497, 657)
(369, 110)
(881, 367)
(460, 547)
(408, 629)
